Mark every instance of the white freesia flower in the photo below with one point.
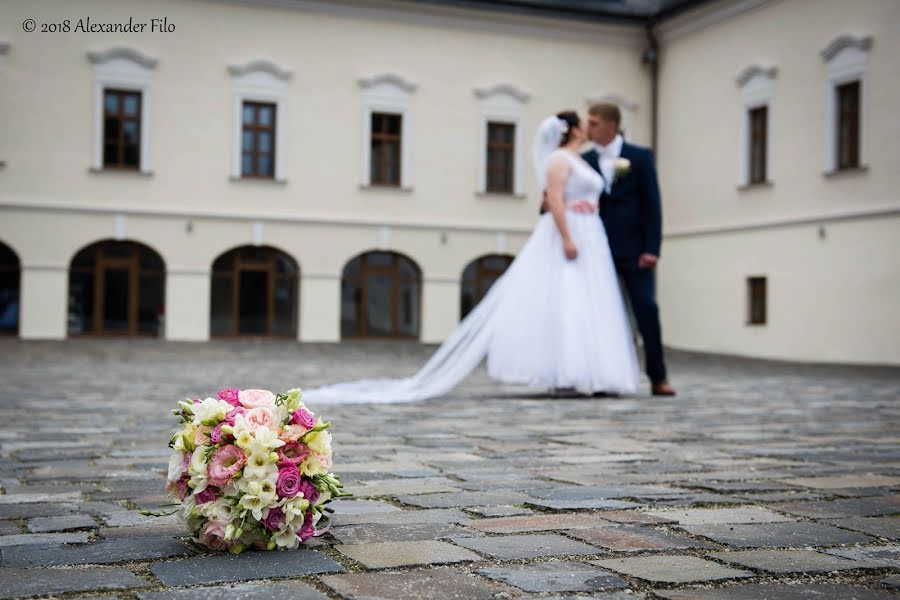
(254, 504)
(319, 441)
(209, 409)
(267, 438)
(219, 509)
(294, 511)
(175, 462)
(259, 466)
(286, 537)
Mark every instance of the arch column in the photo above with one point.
(440, 308)
(187, 305)
(44, 302)
(320, 307)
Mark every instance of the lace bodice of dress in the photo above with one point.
(584, 183)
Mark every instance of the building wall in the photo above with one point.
(833, 291)
(190, 210)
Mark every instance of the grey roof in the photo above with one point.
(634, 11)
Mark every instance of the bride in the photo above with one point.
(555, 319)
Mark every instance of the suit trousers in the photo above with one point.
(640, 285)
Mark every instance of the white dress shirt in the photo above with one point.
(607, 158)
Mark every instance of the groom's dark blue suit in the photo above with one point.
(632, 216)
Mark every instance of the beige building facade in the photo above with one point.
(329, 170)
(822, 238)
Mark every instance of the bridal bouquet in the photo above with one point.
(250, 468)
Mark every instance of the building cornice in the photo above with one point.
(704, 16)
(460, 18)
(265, 66)
(103, 56)
(752, 71)
(503, 88)
(835, 217)
(165, 212)
(390, 79)
(839, 43)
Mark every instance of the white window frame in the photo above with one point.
(387, 94)
(846, 59)
(757, 87)
(501, 104)
(259, 81)
(127, 69)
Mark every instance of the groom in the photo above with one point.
(632, 215)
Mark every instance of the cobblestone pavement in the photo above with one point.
(761, 480)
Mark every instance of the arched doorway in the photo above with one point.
(10, 273)
(381, 296)
(116, 288)
(478, 277)
(254, 293)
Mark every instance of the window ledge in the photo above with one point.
(264, 180)
(116, 171)
(851, 172)
(385, 188)
(762, 185)
(501, 195)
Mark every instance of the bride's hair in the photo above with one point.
(572, 120)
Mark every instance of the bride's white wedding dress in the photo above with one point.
(547, 322)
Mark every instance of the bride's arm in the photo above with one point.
(557, 173)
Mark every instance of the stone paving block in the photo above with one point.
(9, 528)
(406, 517)
(61, 497)
(464, 499)
(17, 583)
(884, 527)
(508, 547)
(557, 576)
(788, 561)
(715, 516)
(873, 556)
(584, 504)
(369, 533)
(161, 530)
(671, 569)
(434, 584)
(633, 517)
(38, 509)
(845, 481)
(892, 582)
(295, 590)
(400, 554)
(839, 509)
(63, 523)
(248, 566)
(395, 487)
(777, 535)
(634, 538)
(101, 552)
(773, 591)
(29, 539)
(499, 511)
(361, 507)
(553, 522)
(602, 492)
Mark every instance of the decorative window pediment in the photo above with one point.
(387, 105)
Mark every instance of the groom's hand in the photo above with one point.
(647, 261)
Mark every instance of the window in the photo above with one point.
(121, 129)
(846, 70)
(386, 143)
(387, 106)
(258, 140)
(123, 81)
(757, 88)
(847, 126)
(478, 277)
(260, 89)
(501, 150)
(381, 296)
(756, 300)
(758, 134)
(500, 167)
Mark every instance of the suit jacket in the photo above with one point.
(632, 211)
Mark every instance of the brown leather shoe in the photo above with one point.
(662, 389)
